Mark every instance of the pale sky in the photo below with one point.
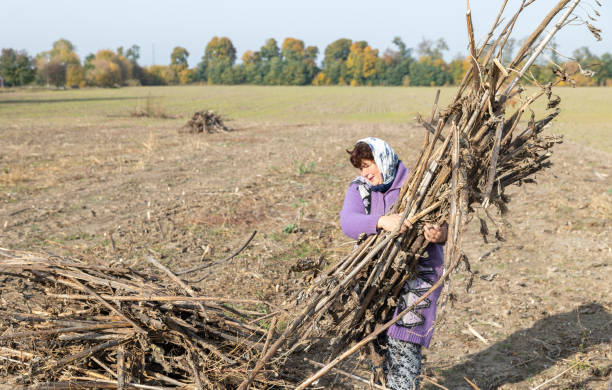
(161, 25)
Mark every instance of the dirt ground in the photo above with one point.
(540, 301)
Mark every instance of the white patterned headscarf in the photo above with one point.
(385, 158)
(387, 161)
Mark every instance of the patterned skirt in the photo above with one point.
(402, 364)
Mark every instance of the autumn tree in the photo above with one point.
(108, 69)
(430, 69)
(52, 73)
(52, 65)
(126, 69)
(257, 65)
(458, 67)
(75, 76)
(334, 62)
(16, 67)
(432, 49)
(298, 62)
(133, 54)
(251, 57)
(270, 67)
(294, 71)
(269, 50)
(274, 72)
(293, 49)
(397, 64)
(179, 65)
(87, 64)
(64, 51)
(361, 64)
(178, 58)
(310, 60)
(105, 70)
(292, 64)
(337, 51)
(219, 57)
(429, 72)
(252, 64)
(160, 75)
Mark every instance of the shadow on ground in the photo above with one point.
(528, 352)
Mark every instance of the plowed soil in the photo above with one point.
(113, 188)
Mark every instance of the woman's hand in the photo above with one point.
(391, 222)
(435, 233)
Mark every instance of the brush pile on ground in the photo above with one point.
(473, 150)
(66, 324)
(204, 121)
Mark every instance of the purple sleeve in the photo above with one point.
(353, 219)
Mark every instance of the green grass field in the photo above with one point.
(585, 118)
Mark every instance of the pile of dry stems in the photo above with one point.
(204, 121)
(67, 324)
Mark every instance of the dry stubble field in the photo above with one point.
(76, 168)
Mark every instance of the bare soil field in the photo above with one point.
(79, 176)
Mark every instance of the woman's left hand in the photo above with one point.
(435, 233)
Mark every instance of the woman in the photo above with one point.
(368, 198)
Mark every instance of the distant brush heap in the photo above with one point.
(204, 121)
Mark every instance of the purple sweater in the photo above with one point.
(417, 326)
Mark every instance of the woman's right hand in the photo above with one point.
(391, 222)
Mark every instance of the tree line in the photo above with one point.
(345, 62)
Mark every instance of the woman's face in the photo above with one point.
(369, 170)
